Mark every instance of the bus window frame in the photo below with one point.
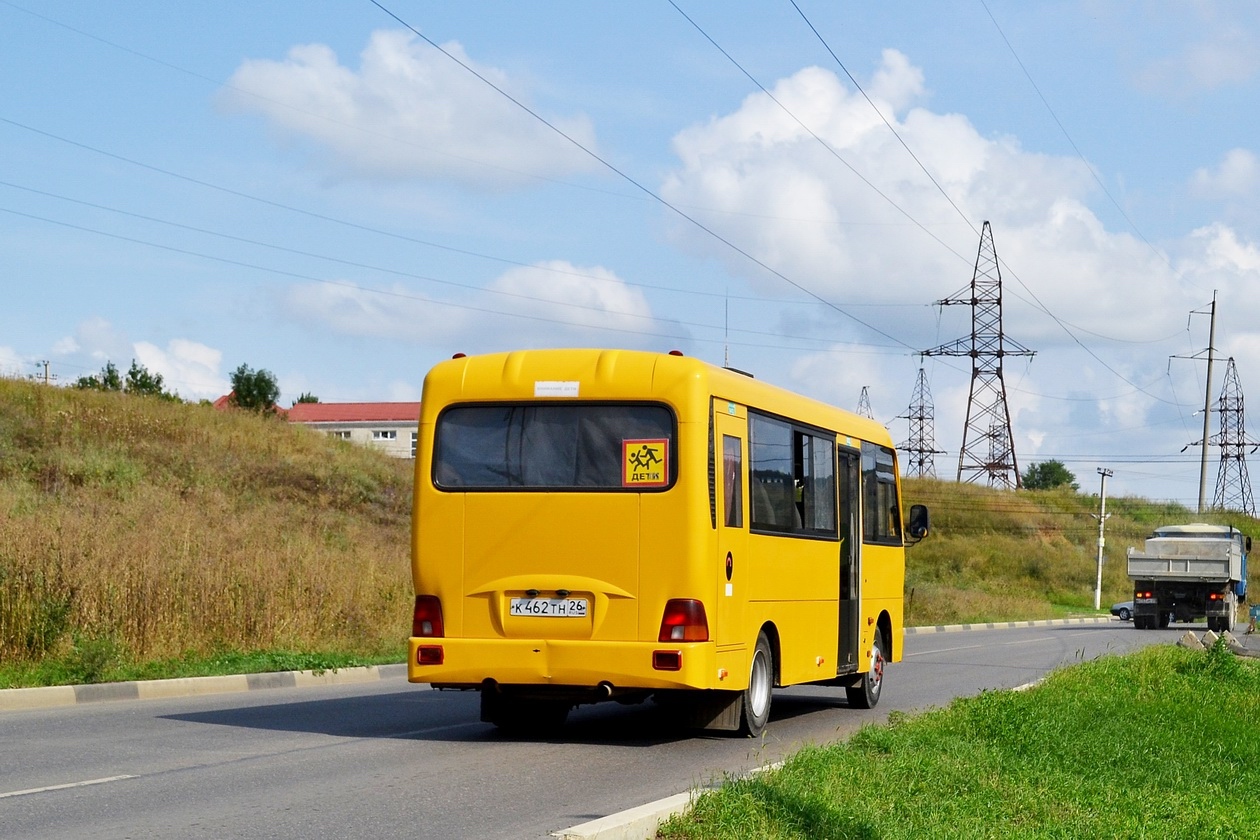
(795, 427)
(528, 403)
(897, 537)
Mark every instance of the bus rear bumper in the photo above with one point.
(469, 663)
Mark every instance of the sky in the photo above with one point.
(345, 193)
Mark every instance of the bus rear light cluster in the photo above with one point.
(684, 621)
(430, 655)
(426, 618)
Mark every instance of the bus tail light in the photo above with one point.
(684, 621)
(430, 655)
(426, 618)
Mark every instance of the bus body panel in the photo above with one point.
(629, 553)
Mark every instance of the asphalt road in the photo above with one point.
(392, 759)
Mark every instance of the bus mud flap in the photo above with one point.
(716, 710)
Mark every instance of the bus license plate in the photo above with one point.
(554, 607)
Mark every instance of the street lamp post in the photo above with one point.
(1102, 518)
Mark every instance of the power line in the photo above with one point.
(629, 179)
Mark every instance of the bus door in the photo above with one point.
(847, 483)
(730, 455)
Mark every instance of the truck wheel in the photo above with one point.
(865, 694)
(1164, 620)
(755, 706)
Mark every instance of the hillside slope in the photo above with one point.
(999, 555)
(167, 529)
(155, 530)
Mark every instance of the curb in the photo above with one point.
(1007, 625)
(15, 699)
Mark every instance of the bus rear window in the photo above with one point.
(555, 446)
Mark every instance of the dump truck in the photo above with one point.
(1188, 572)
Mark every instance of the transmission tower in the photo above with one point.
(988, 447)
(864, 404)
(921, 445)
(1233, 487)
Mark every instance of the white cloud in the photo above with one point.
(769, 185)
(98, 339)
(395, 313)
(409, 112)
(1238, 174)
(551, 303)
(1104, 310)
(12, 364)
(187, 367)
(1229, 54)
(584, 298)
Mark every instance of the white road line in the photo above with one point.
(66, 786)
(432, 729)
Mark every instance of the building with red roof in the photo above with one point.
(388, 426)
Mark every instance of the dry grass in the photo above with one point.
(172, 529)
(143, 530)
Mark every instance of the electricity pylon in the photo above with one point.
(1233, 487)
(921, 445)
(988, 447)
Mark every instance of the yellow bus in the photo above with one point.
(617, 525)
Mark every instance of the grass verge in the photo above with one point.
(97, 661)
(1159, 743)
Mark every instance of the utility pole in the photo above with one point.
(1102, 518)
(1207, 403)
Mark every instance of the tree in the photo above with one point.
(1047, 475)
(141, 381)
(306, 397)
(254, 390)
(107, 380)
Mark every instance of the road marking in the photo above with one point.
(943, 650)
(66, 786)
(432, 729)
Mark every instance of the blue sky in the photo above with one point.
(316, 190)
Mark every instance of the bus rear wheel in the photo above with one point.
(865, 694)
(755, 704)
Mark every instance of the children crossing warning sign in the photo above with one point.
(645, 463)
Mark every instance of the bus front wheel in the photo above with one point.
(865, 694)
(755, 706)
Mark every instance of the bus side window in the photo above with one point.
(732, 481)
(881, 520)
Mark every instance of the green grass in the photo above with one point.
(101, 660)
(1160, 743)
